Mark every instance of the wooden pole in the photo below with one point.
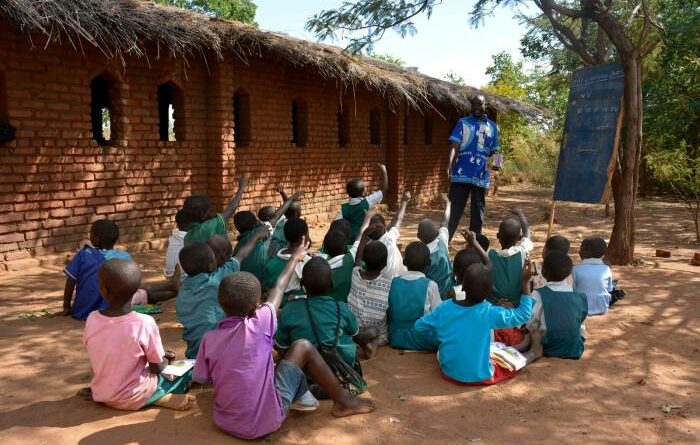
(552, 209)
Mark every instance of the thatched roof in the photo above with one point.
(122, 28)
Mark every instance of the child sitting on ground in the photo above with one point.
(201, 227)
(593, 277)
(438, 240)
(81, 272)
(196, 306)
(295, 230)
(175, 244)
(559, 312)
(278, 240)
(253, 396)
(354, 210)
(125, 349)
(248, 226)
(554, 243)
(473, 254)
(341, 262)
(389, 236)
(508, 262)
(295, 323)
(369, 291)
(462, 328)
(411, 296)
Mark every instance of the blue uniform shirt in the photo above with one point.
(477, 140)
(464, 335)
(197, 305)
(83, 268)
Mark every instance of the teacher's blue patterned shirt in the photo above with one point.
(477, 140)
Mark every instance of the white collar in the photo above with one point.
(559, 286)
(592, 261)
(336, 261)
(412, 275)
(353, 201)
(434, 244)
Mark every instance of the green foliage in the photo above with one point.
(671, 84)
(531, 150)
(370, 17)
(455, 78)
(389, 58)
(239, 10)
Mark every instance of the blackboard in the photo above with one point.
(591, 134)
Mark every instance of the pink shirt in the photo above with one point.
(119, 349)
(237, 358)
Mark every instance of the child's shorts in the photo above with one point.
(500, 374)
(509, 336)
(290, 383)
(178, 386)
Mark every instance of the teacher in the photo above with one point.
(473, 141)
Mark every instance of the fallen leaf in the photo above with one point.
(394, 420)
(642, 381)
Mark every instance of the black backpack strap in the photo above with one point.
(337, 332)
(313, 323)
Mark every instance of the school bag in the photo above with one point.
(348, 377)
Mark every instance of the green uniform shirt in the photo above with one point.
(355, 214)
(341, 269)
(200, 232)
(294, 325)
(255, 261)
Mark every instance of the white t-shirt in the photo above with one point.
(394, 260)
(172, 256)
(525, 246)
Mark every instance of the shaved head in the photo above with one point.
(119, 280)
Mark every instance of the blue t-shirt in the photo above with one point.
(477, 140)
(197, 305)
(83, 268)
(464, 334)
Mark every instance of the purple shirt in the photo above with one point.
(237, 358)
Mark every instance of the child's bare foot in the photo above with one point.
(352, 405)
(368, 350)
(179, 402)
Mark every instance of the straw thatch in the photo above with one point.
(129, 28)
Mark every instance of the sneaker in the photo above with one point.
(307, 402)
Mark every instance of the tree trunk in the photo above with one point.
(622, 240)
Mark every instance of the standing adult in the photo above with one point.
(473, 141)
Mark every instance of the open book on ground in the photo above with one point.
(177, 368)
(507, 356)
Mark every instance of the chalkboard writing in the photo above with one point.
(591, 133)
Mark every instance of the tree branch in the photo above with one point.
(565, 34)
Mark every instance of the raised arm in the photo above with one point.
(523, 221)
(287, 202)
(277, 293)
(385, 178)
(233, 205)
(363, 240)
(398, 217)
(470, 237)
(283, 194)
(248, 247)
(448, 209)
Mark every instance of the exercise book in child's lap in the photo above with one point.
(507, 356)
(177, 368)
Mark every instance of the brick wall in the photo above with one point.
(55, 179)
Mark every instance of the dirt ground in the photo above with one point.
(643, 354)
